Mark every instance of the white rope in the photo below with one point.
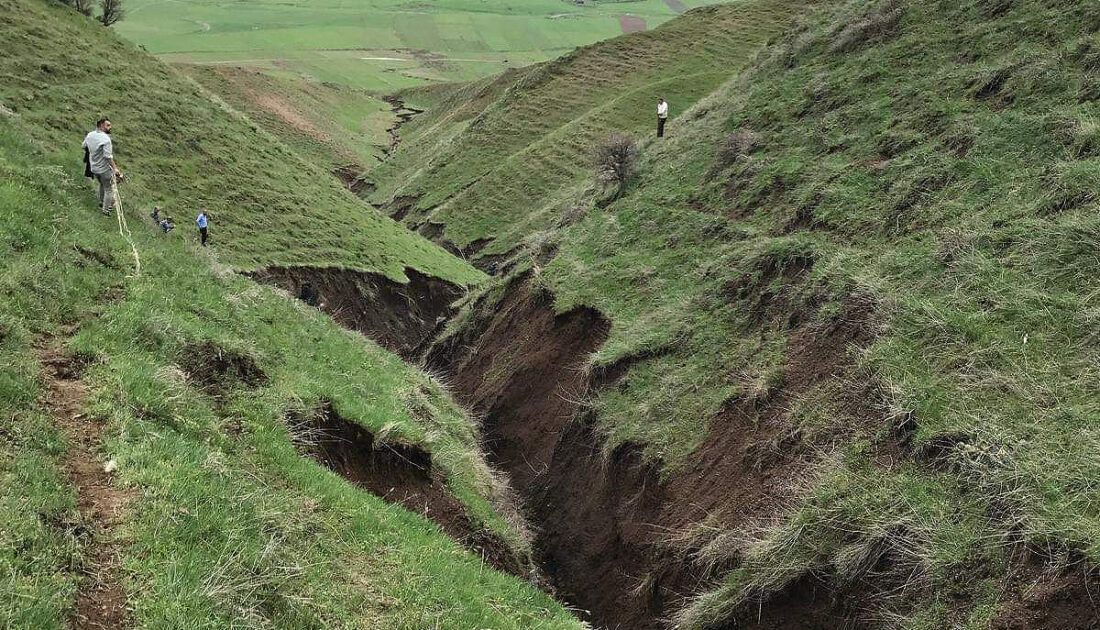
(123, 228)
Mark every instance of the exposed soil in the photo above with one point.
(805, 605)
(676, 5)
(215, 368)
(399, 208)
(1041, 597)
(101, 602)
(524, 371)
(604, 521)
(399, 473)
(400, 317)
(351, 176)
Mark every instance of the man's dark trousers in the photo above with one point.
(661, 127)
(202, 236)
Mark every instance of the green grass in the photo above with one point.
(230, 527)
(513, 167)
(980, 263)
(932, 164)
(340, 42)
(937, 163)
(324, 123)
(269, 206)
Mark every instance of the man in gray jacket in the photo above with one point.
(101, 160)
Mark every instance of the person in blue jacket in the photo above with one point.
(202, 222)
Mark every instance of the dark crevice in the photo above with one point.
(398, 472)
(399, 317)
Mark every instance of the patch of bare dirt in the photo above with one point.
(807, 605)
(351, 176)
(524, 371)
(1041, 596)
(101, 602)
(402, 115)
(631, 24)
(216, 368)
(399, 473)
(289, 114)
(400, 317)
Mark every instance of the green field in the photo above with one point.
(381, 45)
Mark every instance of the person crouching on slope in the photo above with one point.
(101, 163)
(662, 116)
(202, 223)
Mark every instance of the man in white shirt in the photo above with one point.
(101, 160)
(662, 116)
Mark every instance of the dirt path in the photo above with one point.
(101, 602)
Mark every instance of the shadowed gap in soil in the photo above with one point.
(399, 473)
(603, 520)
(400, 317)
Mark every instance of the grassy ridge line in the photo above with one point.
(231, 527)
(183, 151)
(866, 161)
(469, 183)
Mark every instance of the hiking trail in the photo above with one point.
(101, 602)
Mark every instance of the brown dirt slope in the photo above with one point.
(400, 317)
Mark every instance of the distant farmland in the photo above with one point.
(381, 45)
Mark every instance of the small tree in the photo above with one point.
(111, 11)
(615, 159)
(84, 6)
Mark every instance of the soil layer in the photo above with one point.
(605, 517)
(399, 473)
(399, 317)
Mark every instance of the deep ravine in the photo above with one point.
(604, 519)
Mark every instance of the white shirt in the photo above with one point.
(662, 110)
(100, 150)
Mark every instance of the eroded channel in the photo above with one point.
(608, 526)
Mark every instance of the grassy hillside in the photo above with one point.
(381, 45)
(327, 124)
(847, 377)
(182, 151)
(519, 163)
(171, 442)
(873, 254)
(196, 377)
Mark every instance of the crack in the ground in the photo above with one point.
(404, 114)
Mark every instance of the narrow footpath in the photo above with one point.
(101, 602)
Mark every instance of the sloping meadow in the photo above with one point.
(928, 169)
(184, 150)
(204, 383)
